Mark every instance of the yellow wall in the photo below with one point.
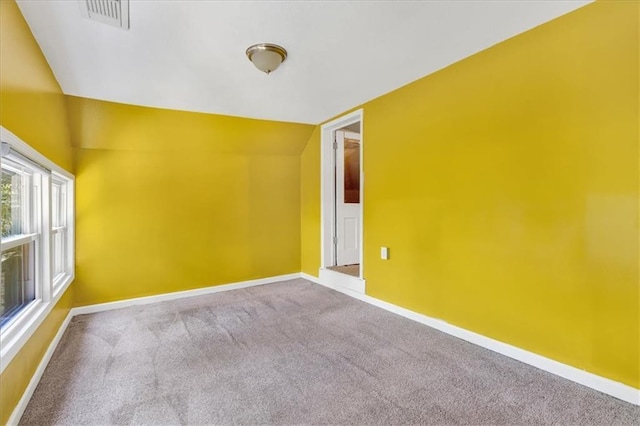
(506, 187)
(31, 102)
(310, 204)
(31, 106)
(170, 201)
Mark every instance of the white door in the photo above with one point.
(347, 198)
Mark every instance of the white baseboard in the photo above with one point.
(90, 309)
(310, 278)
(593, 381)
(31, 387)
(604, 385)
(339, 280)
(348, 290)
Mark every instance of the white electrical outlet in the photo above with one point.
(384, 253)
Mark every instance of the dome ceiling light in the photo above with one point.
(266, 57)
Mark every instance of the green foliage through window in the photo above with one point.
(7, 196)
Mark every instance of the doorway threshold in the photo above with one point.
(341, 281)
(353, 270)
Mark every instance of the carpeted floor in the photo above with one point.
(293, 353)
(353, 270)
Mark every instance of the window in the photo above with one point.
(59, 229)
(37, 241)
(19, 239)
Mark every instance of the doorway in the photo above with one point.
(342, 184)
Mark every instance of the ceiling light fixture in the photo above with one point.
(266, 57)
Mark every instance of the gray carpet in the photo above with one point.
(293, 353)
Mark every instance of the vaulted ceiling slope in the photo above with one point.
(190, 55)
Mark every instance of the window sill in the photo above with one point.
(60, 284)
(19, 332)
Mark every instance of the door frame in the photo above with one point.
(328, 200)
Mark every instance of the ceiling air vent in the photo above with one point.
(111, 12)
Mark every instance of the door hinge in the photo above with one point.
(335, 240)
(335, 145)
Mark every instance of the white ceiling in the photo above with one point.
(190, 55)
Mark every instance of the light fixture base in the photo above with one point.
(267, 57)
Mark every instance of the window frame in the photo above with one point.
(66, 189)
(49, 289)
